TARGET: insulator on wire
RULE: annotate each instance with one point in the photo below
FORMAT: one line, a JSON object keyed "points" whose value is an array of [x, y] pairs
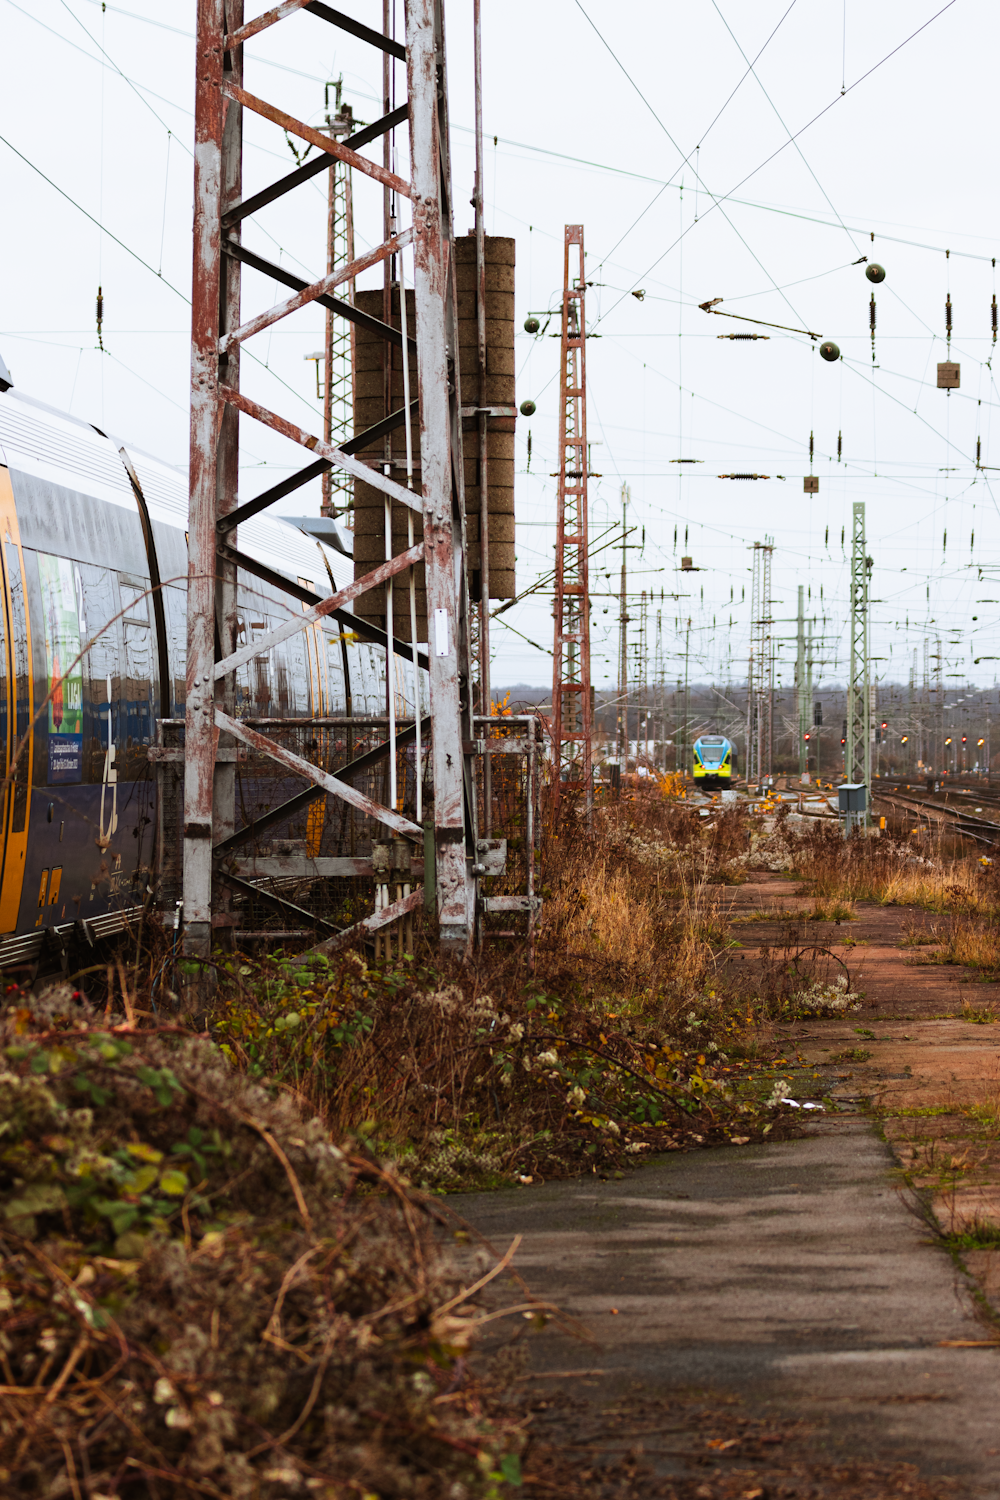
{"points": [[871, 324], [993, 317], [979, 446], [840, 445], [810, 449], [947, 316], [100, 318]]}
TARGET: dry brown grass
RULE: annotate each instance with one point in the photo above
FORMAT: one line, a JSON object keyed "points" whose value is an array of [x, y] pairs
{"points": [[439, 1064], [887, 872], [625, 929], [970, 940]]}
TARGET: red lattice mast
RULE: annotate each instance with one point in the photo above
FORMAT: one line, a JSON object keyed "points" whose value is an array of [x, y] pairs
{"points": [[572, 711]]}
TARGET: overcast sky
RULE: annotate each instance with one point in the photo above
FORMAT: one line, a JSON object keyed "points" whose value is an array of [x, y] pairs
{"points": [[643, 122]]}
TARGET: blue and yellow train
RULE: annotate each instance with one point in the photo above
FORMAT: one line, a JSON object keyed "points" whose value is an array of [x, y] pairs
{"points": [[93, 594], [714, 760]]}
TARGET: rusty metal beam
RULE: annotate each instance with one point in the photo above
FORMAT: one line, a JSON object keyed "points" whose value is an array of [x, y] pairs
{"points": [[336, 601], [318, 289], [199, 766], [311, 169], [294, 805], [243, 34], [325, 143], [357, 28], [378, 919], [242, 513], [337, 456], [287, 278], [320, 867], [324, 779], [377, 430], [276, 902], [312, 471], [442, 481], [356, 623]]}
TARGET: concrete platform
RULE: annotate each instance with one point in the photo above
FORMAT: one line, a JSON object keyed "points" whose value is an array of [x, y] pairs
{"points": [[791, 1277]]}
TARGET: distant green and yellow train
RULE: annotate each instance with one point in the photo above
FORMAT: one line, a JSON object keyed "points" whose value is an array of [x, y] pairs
{"points": [[714, 760]]}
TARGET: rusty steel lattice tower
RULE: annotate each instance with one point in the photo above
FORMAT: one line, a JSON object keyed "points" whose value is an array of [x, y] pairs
{"points": [[760, 676], [572, 709], [212, 732], [858, 750], [338, 341]]}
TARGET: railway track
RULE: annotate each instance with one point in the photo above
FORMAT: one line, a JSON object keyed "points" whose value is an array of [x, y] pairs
{"points": [[982, 830]]}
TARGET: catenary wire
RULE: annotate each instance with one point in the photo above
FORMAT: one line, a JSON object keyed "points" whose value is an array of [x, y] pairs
{"points": [[717, 202]]}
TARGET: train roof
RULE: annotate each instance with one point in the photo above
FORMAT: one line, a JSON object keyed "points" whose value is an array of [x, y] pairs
{"points": [[51, 445]]}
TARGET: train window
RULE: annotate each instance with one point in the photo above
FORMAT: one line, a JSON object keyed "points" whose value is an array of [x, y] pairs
{"points": [[335, 664], [102, 682], [63, 667], [135, 596], [175, 604], [261, 665], [137, 698], [22, 686]]}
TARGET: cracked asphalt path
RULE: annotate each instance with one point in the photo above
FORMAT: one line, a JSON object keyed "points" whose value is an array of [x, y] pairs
{"points": [[790, 1278]]}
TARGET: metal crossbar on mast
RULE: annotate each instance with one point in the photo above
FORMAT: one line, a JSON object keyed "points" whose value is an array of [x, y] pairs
{"points": [[572, 724], [211, 726], [858, 750], [760, 673]]}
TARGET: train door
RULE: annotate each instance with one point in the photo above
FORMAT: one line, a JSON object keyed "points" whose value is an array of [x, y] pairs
{"points": [[16, 709]]}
